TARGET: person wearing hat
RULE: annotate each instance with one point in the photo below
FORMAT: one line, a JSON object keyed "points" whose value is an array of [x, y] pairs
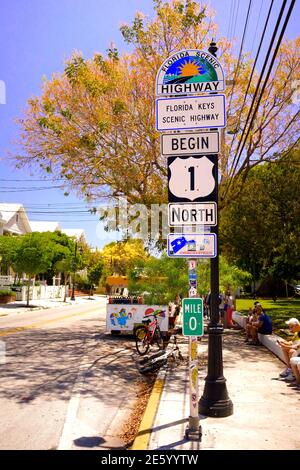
{"points": [[290, 349]]}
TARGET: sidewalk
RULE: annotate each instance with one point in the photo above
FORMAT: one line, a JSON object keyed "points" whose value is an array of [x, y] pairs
{"points": [[266, 410], [19, 306]]}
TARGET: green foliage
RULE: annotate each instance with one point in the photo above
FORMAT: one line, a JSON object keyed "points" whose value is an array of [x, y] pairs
{"points": [[279, 311], [165, 277], [8, 248], [260, 231], [5, 292], [95, 273], [34, 254], [162, 278]]}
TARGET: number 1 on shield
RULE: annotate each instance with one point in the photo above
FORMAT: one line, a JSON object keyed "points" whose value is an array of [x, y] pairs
{"points": [[191, 170]]}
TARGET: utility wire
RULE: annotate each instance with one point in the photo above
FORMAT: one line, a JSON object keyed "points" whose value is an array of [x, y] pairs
{"points": [[240, 52], [253, 105], [252, 73]]}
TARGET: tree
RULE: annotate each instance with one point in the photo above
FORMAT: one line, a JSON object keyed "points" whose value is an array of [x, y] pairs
{"points": [[165, 277], [65, 266], [8, 248], [94, 274], [33, 256], [260, 232], [94, 124], [120, 257]]}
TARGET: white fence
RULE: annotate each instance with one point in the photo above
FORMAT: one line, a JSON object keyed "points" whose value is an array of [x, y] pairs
{"points": [[6, 281], [41, 292]]}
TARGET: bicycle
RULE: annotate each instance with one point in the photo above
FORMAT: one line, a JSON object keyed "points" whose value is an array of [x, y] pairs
{"points": [[150, 364], [147, 334]]}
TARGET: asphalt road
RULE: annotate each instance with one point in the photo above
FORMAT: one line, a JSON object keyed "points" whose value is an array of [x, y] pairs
{"points": [[65, 383]]}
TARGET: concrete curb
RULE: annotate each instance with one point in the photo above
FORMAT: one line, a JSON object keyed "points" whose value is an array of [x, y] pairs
{"points": [[144, 433], [142, 439]]}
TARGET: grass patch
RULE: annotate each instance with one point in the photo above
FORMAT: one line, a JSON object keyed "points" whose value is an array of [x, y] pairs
{"points": [[278, 311]]}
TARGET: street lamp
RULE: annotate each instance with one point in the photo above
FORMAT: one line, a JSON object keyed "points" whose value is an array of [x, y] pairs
{"points": [[215, 401], [74, 270]]}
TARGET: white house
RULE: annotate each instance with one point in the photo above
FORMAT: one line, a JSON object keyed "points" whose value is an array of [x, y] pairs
{"points": [[44, 226], [14, 220], [77, 233]]}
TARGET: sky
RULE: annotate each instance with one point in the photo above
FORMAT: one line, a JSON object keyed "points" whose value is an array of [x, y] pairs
{"points": [[36, 37]]}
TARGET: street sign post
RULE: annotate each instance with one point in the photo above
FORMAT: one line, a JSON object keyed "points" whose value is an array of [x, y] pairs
{"points": [[192, 214], [192, 312], [191, 112], [192, 179], [192, 245], [190, 143]]}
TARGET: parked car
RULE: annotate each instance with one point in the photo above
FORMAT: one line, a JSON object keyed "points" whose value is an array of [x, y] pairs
{"points": [[297, 289]]}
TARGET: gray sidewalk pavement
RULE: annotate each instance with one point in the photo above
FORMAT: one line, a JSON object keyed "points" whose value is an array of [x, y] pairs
{"points": [[266, 410], [19, 306]]}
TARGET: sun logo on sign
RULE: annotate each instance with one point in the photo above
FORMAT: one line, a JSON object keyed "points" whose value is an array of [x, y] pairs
{"points": [[190, 69]]}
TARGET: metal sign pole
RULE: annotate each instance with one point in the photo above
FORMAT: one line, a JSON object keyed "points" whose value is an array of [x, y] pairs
{"points": [[193, 431]]}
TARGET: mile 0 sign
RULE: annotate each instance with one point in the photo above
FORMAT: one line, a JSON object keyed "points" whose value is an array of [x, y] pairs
{"points": [[190, 72]]}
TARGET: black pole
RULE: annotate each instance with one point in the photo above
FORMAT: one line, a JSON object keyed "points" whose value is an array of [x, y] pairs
{"points": [[74, 273], [215, 401]]}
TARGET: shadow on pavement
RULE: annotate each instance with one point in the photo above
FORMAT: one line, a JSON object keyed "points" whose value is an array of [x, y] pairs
{"points": [[47, 363]]}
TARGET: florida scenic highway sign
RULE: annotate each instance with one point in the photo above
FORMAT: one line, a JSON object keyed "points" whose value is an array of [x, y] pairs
{"points": [[190, 72]]}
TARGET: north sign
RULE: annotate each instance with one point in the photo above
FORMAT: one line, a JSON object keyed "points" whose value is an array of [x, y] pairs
{"points": [[192, 214], [192, 245], [190, 72], [192, 179], [193, 112], [190, 143]]}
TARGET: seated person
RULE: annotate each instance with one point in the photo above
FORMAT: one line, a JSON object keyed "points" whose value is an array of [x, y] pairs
{"points": [[263, 325], [252, 317], [295, 366], [290, 348]]}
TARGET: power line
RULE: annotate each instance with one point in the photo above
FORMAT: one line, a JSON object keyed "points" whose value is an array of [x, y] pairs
{"points": [[239, 152], [240, 52], [252, 73]]}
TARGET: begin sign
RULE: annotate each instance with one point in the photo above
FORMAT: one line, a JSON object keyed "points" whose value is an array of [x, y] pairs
{"points": [[190, 143]]}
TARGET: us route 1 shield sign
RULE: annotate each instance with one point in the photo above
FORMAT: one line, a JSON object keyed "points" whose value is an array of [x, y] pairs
{"points": [[190, 143], [192, 315], [192, 112], [192, 245], [192, 179], [192, 214]]}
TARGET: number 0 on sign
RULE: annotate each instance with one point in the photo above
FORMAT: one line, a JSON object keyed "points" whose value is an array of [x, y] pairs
{"points": [[192, 311]]}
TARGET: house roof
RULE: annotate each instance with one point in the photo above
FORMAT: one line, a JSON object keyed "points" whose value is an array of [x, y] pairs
{"points": [[9, 210], [77, 233], [44, 226]]}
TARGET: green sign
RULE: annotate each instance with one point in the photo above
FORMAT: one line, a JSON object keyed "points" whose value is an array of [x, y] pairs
{"points": [[192, 310]]}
